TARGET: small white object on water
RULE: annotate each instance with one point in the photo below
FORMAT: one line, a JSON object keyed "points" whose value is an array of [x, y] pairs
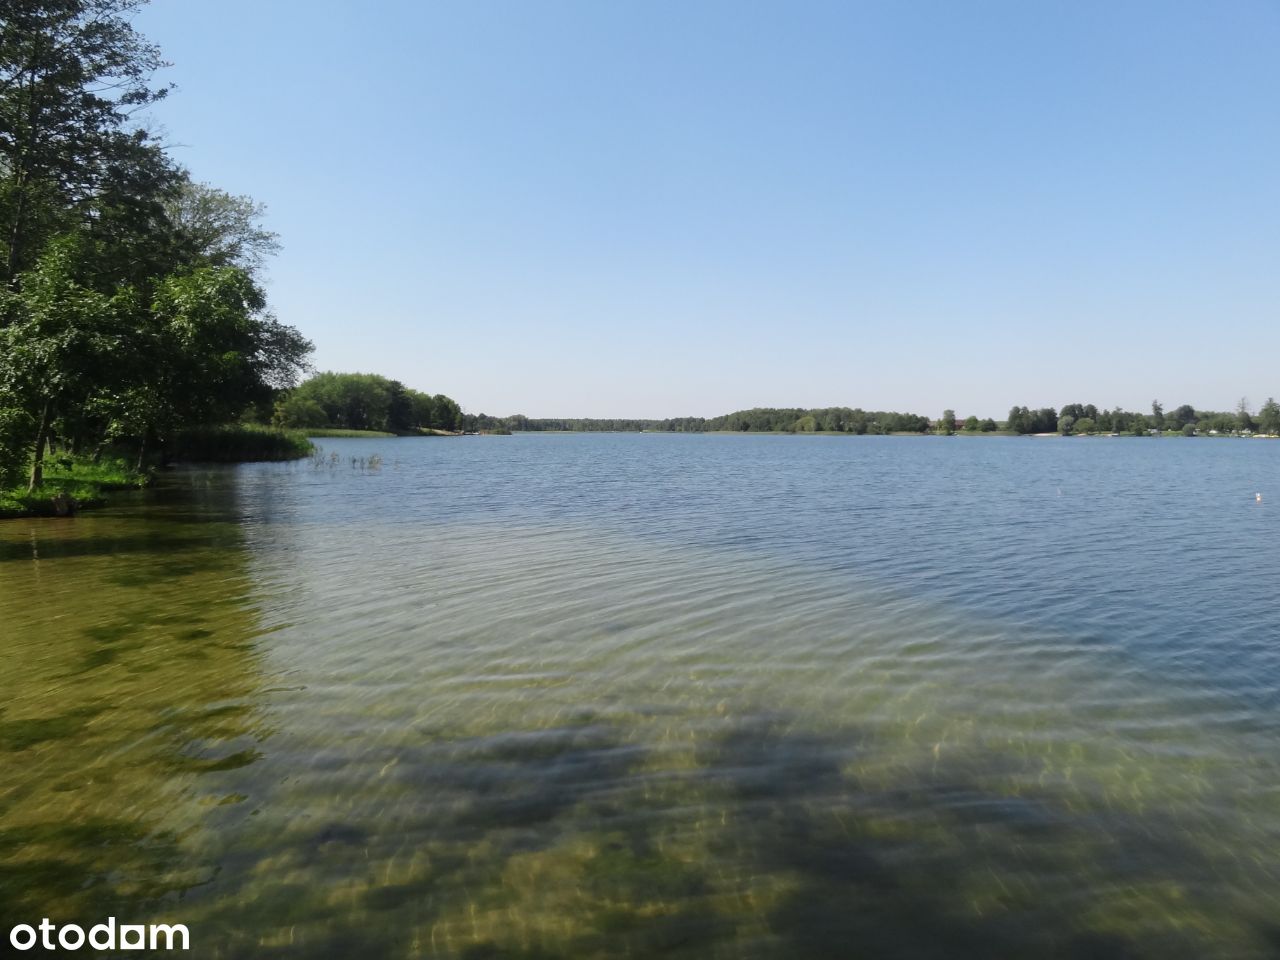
{"points": [[1257, 497]]}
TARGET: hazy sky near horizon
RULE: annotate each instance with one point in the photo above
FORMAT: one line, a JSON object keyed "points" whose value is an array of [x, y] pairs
{"points": [[684, 208]]}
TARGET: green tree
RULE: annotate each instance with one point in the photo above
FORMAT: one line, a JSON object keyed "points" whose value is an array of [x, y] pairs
{"points": [[446, 414], [129, 305], [1269, 417], [72, 72], [297, 411], [399, 407], [366, 401], [214, 350], [1184, 415], [947, 425], [972, 424], [58, 345], [1244, 421], [218, 229], [423, 409]]}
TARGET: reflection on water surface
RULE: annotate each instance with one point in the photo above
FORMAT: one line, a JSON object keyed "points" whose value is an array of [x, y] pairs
{"points": [[600, 696]]}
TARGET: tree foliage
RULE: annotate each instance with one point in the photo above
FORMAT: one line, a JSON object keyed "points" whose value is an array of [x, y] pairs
{"points": [[366, 401], [219, 229], [1025, 420], [71, 74], [1269, 417], [129, 305]]}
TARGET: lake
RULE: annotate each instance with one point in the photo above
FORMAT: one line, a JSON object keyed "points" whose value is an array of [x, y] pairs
{"points": [[658, 695]]}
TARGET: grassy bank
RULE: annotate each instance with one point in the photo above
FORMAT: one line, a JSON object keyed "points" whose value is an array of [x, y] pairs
{"points": [[237, 443], [323, 432], [77, 483], [70, 484]]}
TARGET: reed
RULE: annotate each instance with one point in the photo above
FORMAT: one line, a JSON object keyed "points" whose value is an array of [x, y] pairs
{"points": [[237, 443]]}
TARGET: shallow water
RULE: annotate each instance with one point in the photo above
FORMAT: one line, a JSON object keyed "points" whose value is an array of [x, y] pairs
{"points": [[690, 696]]}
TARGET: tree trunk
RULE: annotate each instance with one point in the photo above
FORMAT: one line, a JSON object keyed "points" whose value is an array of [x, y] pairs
{"points": [[142, 451], [15, 236], [37, 465], [21, 183]]}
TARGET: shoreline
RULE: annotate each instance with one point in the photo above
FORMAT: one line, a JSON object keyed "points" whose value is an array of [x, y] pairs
{"points": [[66, 493]]}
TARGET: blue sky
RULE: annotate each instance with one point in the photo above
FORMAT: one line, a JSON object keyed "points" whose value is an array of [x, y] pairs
{"points": [[669, 208]]}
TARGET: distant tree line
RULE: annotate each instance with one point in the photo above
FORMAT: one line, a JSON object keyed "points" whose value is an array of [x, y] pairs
{"points": [[757, 420], [827, 419], [1085, 418], [1074, 418], [365, 401], [484, 422]]}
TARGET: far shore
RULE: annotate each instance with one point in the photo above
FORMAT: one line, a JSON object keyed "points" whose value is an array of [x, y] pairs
{"points": [[1168, 434]]}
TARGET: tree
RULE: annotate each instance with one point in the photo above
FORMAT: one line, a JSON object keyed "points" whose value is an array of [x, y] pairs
{"points": [[423, 409], [364, 401], [988, 425], [1244, 422], [1065, 424], [1084, 425], [71, 74], [213, 350], [972, 424], [947, 425], [399, 407], [1044, 420], [1269, 417], [1185, 414], [129, 305], [446, 415], [59, 343], [297, 411], [1157, 415], [219, 229]]}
